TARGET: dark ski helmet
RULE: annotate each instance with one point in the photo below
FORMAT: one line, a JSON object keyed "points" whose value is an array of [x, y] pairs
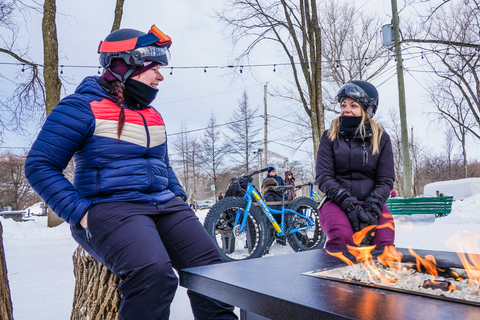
{"points": [[134, 47], [362, 92]]}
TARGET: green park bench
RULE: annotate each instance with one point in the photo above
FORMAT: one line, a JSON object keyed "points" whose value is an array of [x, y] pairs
{"points": [[439, 206]]}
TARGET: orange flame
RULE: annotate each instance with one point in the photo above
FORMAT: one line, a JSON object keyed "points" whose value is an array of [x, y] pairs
{"points": [[390, 257], [340, 256], [463, 244], [388, 224], [360, 235], [428, 262]]}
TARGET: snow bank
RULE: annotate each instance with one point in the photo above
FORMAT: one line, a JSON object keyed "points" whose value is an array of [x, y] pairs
{"points": [[459, 189]]}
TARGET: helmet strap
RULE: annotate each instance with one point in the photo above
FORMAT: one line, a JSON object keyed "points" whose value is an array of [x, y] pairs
{"points": [[125, 77]]}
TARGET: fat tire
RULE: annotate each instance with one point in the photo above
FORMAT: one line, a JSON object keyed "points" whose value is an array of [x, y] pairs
{"points": [[219, 225], [309, 239]]}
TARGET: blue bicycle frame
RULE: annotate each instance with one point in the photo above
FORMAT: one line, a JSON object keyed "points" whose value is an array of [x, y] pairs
{"points": [[314, 195], [268, 212]]}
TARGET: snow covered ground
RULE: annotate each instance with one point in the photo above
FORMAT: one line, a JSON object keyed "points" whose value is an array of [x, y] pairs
{"points": [[40, 268]]}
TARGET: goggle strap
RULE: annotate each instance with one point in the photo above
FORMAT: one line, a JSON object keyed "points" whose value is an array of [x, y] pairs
{"points": [[164, 39], [117, 46]]}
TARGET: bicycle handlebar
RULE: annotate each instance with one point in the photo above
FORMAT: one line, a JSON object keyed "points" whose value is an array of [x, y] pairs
{"points": [[311, 184], [255, 172]]}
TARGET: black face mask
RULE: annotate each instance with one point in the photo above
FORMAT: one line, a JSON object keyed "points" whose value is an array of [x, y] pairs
{"points": [[137, 93], [348, 125]]}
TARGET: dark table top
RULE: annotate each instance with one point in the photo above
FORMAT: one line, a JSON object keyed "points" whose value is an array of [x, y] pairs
{"points": [[274, 287]]}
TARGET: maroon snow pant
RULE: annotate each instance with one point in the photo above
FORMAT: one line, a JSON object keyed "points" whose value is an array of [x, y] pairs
{"points": [[339, 231], [142, 244]]}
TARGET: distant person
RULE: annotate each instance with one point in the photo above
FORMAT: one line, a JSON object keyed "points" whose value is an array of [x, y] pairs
{"points": [[193, 203], [236, 188], [272, 173], [290, 181], [393, 194], [271, 193], [355, 170], [221, 196], [126, 206]]}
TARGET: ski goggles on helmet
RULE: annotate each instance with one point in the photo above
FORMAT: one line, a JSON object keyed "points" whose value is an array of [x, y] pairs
{"points": [[351, 90], [153, 37]]}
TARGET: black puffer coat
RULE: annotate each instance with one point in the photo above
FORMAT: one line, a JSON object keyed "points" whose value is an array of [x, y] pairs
{"points": [[346, 167], [272, 194]]}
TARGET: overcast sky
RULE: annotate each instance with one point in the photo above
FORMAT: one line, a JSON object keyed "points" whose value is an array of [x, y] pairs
{"points": [[190, 95]]}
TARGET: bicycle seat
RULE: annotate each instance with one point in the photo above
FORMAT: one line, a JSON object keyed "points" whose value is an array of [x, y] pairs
{"points": [[284, 187]]}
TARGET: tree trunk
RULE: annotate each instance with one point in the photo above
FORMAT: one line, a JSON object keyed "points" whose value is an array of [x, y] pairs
{"points": [[96, 294], [53, 220], [118, 15], [50, 71], [6, 310]]}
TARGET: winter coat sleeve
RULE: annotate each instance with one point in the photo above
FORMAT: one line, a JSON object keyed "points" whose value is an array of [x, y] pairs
{"points": [[62, 135], [384, 177], [325, 171]]}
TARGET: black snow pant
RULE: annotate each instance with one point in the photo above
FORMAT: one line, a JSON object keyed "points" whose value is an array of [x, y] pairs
{"points": [[141, 244]]}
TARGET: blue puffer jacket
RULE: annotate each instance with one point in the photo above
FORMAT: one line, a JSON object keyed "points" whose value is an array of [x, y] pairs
{"points": [[134, 168]]}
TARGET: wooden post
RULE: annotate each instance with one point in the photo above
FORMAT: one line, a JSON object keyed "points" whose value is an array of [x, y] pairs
{"points": [[407, 186], [6, 310]]}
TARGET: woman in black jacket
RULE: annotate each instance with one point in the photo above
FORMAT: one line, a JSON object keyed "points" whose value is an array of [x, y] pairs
{"points": [[355, 170]]}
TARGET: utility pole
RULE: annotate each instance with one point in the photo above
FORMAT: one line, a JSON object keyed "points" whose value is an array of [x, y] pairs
{"points": [[407, 176], [265, 128]]}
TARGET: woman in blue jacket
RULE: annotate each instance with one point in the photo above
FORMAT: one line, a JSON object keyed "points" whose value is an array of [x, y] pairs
{"points": [[355, 170], [126, 207]]}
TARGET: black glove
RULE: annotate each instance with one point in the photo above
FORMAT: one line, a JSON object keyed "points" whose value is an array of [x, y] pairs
{"points": [[368, 240], [372, 212], [354, 211]]}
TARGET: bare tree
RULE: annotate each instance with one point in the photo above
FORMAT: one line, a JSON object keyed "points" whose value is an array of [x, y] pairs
{"points": [[450, 46], [294, 26], [27, 99], [452, 110], [393, 127], [118, 15], [213, 151], [351, 47], [244, 132], [306, 39], [15, 191]]}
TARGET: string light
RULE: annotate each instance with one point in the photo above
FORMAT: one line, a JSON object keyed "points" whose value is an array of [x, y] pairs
{"points": [[171, 71], [337, 63], [241, 69], [23, 68]]}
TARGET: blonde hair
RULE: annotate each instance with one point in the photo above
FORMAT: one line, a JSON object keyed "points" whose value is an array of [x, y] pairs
{"points": [[377, 131]]}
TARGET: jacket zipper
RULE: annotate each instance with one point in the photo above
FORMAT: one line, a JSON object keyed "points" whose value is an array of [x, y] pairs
{"points": [[365, 158], [147, 150]]}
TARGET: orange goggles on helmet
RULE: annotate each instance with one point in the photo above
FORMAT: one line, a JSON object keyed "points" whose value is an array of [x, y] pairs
{"points": [[154, 36]]}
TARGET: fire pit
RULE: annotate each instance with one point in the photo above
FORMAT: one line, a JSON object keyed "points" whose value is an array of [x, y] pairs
{"points": [[422, 277], [277, 288], [412, 282]]}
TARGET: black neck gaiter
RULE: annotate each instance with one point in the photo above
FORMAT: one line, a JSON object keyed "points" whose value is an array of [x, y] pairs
{"points": [[137, 93], [349, 125]]}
